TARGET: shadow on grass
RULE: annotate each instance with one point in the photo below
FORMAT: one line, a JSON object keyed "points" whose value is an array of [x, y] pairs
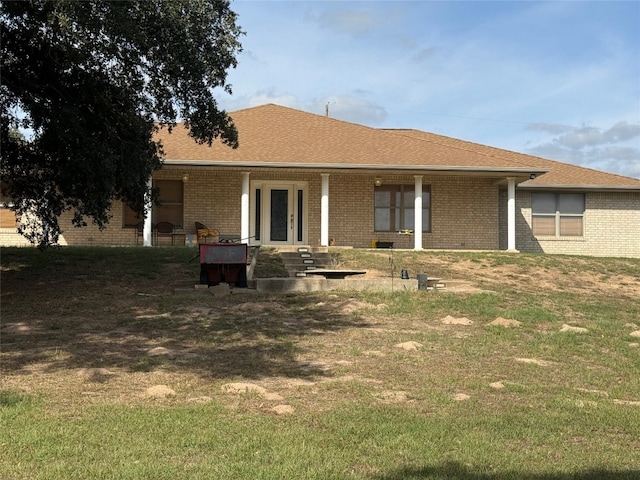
{"points": [[215, 342], [76, 309], [457, 471]]}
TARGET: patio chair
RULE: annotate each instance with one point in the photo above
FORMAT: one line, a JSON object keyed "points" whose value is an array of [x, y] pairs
{"points": [[204, 233], [140, 231], [165, 229]]}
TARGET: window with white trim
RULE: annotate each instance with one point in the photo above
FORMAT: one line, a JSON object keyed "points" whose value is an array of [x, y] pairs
{"points": [[557, 214], [394, 208]]}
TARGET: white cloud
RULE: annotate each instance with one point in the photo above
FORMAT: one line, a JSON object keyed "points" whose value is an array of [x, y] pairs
{"points": [[611, 149], [551, 128], [356, 110], [425, 54], [343, 107], [515, 75], [591, 136], [349, 21], [622, 131], [284, 99], [581, 138]]}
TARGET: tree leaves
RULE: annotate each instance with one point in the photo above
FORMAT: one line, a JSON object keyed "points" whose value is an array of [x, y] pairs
{"points": [[92, 81]]}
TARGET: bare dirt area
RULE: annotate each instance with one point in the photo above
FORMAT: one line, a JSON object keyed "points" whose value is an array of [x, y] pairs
{"points": [[115, 335], [490, 270]]}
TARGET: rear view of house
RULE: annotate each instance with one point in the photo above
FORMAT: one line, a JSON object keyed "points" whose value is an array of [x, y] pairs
{"points": [[305, 179]]}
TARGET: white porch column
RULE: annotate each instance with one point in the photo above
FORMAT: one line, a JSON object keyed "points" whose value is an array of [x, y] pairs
{"points": [[146, 231], [244, 209], [324, 211], [417, 222], [511, 214]]}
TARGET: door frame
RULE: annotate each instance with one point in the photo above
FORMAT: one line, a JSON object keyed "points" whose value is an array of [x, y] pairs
{"points": [[260, 215]]}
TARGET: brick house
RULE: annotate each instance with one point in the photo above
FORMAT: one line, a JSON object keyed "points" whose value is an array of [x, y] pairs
{"points": [[305, 179]]}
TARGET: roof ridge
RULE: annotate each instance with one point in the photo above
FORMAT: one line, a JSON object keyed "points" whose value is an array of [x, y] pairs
{"points": [[298, 111], [466, 142]]}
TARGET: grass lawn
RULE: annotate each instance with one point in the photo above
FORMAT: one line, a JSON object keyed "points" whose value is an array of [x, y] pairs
{"points": [[106, 372]]}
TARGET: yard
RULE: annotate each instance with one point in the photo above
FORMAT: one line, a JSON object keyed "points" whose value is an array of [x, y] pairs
{"points": [[106, 372]]}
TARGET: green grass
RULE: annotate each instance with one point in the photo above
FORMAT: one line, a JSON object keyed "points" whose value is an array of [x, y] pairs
{"points": [[352, 441], [568, 406]]}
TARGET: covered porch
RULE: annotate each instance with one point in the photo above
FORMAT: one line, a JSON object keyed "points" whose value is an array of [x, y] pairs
{"points": [[410, 209]]}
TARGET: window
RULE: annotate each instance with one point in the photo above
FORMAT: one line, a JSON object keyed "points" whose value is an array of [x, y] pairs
{"points": [[394, 208], [7, 216], [130, 218], [258, 211], [170, 208], [557, 214]]}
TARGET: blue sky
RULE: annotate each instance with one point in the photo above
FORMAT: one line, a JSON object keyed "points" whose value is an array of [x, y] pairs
{"points": [[556, 79]]}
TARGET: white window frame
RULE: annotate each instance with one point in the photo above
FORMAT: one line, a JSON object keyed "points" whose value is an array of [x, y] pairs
{"points": [[558, 215]]}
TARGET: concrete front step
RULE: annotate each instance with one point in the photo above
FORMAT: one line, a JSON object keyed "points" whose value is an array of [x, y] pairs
{"points": [[301, 259], [320, 284], [316, 283], [302, 249]]}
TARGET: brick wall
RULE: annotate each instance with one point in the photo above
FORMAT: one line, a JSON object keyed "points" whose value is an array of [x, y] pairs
{"points": [[10, 237], [466, 213], [464, 209], [611, 227]]}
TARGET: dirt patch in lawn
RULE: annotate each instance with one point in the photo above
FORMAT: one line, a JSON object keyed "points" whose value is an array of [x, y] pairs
{"points": [[498, 270], [116, 336]]}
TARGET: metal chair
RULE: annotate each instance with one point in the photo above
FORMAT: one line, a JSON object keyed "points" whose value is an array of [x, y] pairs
{"points": [[204, 233], [165, 229], [140, 231]]}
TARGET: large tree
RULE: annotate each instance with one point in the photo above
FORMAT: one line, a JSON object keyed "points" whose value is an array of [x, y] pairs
{"points": [[89, 82]]}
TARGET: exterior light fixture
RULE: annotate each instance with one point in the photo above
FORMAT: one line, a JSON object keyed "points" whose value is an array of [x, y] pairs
{"points": [[185, 177], [378, 181]]}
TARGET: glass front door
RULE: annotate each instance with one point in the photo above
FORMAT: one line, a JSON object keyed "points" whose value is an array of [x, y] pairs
{"points": [[280, 225], [279, 216]]}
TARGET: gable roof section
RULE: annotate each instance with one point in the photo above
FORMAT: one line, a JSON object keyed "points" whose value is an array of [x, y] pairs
{"points": [[276, 136], [559, 175]]}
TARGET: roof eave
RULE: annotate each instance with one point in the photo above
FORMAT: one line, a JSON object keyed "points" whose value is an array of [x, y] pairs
{"points": [[600, 188], [359, 166]]}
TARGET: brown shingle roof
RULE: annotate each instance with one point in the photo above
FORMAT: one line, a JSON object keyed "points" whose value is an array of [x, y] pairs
{"points": [[559, 174], [276, 136]]}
